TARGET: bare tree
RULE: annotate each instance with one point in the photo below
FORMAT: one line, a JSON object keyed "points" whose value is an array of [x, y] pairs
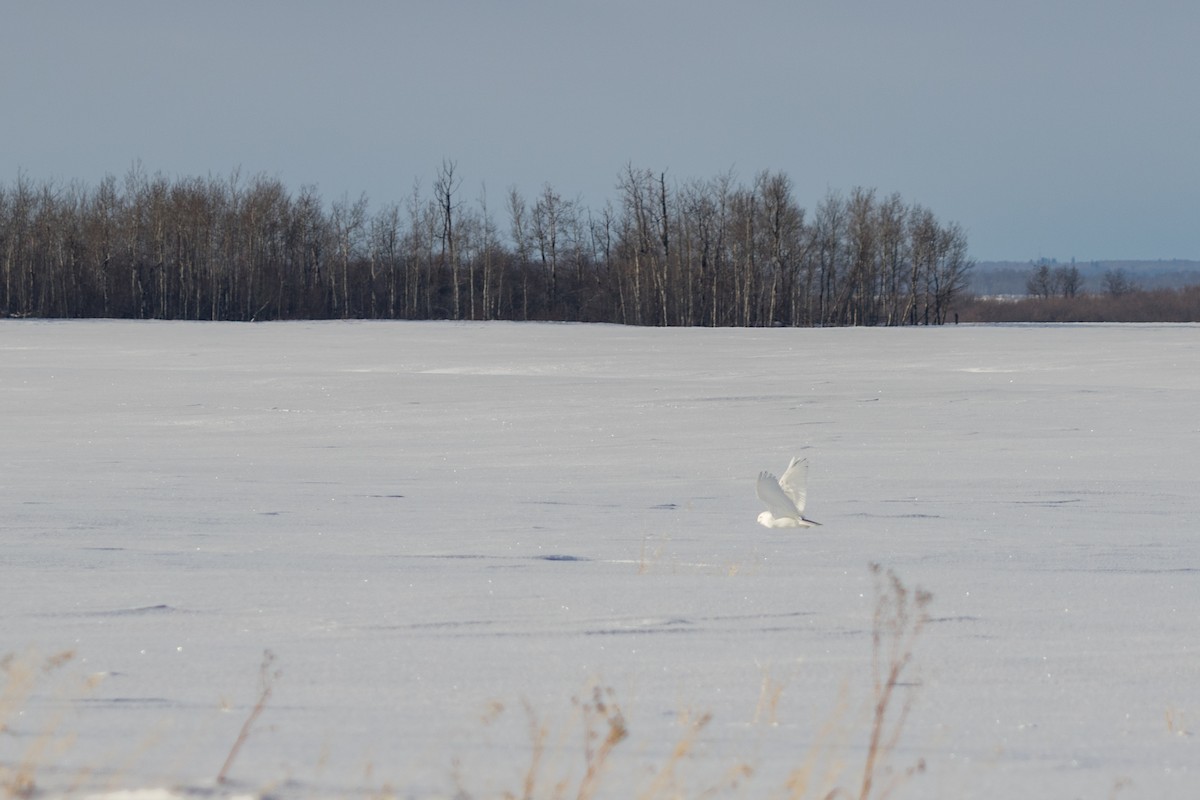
{"points": [[608, 283], [663, 273], [1117, 282], [950, 271], [744, 225], [1067, 280], [493, 285], [519, 232], [414, 269], [862, 230], [829, 237], [784, 221], [893, 255], [348, 221], [639, 239], [444, 188], [924, 246], [553, 219], [1040, 282], [385, 260]]}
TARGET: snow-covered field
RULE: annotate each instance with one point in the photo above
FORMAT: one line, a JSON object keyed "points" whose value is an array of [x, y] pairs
{"points": [[431, 525]]}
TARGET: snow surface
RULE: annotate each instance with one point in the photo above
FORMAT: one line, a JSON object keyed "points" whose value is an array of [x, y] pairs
{"points": [[429, 524]]}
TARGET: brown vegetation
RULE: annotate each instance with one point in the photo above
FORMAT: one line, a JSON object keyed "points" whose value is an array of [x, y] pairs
{"points": [[19, 678], [900, 617], [822, 772], [696, 252], [1127, 305]]}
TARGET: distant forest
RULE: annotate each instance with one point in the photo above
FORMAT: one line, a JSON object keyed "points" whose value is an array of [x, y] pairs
{"points": [[1103, 291], [665, 252], [1013, 278], [1132, 305]]}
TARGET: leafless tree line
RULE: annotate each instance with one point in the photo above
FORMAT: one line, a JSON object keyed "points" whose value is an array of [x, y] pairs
{"points": [[1045, 282], [697, 252], [1067, 281]]}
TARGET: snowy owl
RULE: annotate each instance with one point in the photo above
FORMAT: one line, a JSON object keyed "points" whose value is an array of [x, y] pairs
{"points": [[785, 497]]}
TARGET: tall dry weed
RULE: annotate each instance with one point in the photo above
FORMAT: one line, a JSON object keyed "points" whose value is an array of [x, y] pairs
{"points": [[827, 770], [22, 676]]}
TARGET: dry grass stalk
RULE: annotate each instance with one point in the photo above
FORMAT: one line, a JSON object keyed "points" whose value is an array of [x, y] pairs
{"points": [[830, 741], [900, 617], [266, 679], [21, 676], [648, 559], [538, 734], [601, 715], [665, 782], [1176, 723], [603, 729], [769, 693]]}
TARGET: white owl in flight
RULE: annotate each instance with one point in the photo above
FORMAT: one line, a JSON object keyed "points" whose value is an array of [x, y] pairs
{"points": [[785, 497]]}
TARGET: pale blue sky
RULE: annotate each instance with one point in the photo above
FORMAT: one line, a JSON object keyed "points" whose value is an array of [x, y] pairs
{"points": [[1046, 128]]}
